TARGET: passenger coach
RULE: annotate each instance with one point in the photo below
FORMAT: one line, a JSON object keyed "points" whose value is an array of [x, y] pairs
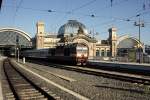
{"points": [[75, 53]]}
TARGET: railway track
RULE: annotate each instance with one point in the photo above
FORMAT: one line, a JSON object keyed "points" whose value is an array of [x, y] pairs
{"points": [[110, 74], [60, 82], [22, 88], [92, 83], [131, 77]]}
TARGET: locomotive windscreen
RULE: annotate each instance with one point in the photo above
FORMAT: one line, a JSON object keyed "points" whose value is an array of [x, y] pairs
{"points": [[82, 50]]}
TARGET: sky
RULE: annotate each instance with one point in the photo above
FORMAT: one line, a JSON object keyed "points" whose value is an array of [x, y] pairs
{"points": [[97, 15]]}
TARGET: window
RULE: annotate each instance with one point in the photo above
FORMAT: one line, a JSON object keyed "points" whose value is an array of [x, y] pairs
{"points": [[103, 53], [108, 53], [97, 53]]}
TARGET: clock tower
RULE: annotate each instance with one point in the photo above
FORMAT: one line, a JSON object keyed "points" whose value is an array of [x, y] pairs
{"points": [[113, 40], [40, 35]]}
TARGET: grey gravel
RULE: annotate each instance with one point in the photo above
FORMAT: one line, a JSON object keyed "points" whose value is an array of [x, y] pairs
{"points": [[94, 87]]}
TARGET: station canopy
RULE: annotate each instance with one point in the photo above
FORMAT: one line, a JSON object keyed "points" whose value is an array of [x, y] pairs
{"points": [[128, 42], [13, 37]]}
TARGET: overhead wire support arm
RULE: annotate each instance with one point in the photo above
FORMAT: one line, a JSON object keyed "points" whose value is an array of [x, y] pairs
{"points": [[1, 4]]}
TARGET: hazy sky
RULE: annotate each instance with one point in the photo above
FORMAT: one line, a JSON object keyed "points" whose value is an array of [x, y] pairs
{"points": [[96, 15]]}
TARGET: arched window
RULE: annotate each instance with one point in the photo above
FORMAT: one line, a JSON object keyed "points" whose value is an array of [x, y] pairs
{"points": [[97, 53], [103, 53], [108, 53]]}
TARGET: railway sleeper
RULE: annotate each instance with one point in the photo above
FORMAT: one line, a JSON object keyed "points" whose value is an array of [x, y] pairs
{"points": [[51, 93], [32, 97], [19, 88], [30, 94], [11, 99], [18, 85], [6, 89], [11, 96], [7, 93], [29, 91]]}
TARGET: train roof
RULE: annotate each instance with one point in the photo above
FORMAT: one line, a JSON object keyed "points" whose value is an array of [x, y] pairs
{"points": [[34, 50], [67, 44]]}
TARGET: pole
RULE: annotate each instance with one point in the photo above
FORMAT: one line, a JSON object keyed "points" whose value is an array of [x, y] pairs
{"points": [[93, 44], [15, 52], [17, 46], [139, 41], [18, 54], [139, 24]]}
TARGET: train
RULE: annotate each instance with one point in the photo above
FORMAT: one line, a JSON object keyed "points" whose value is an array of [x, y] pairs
{"points": [[74, 53]]}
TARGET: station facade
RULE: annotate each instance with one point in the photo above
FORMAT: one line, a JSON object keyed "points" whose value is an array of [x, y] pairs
{"points": [[124, 48]]}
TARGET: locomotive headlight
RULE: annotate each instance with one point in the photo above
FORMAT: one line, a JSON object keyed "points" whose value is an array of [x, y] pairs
{"points": [[85, 55], [81, 55], [78, 55]]}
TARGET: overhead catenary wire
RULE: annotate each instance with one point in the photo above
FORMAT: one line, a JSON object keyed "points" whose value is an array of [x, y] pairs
{"points": [[92, 15], [65, 12], [17, 8], [82, 6], [129, 19], [87, 15]]}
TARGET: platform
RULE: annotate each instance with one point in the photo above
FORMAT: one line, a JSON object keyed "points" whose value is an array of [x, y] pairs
{"points": [[1, 95], [131, 66]]}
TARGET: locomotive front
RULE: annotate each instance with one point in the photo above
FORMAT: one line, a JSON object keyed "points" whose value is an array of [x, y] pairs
{"points": [[81, 54]]}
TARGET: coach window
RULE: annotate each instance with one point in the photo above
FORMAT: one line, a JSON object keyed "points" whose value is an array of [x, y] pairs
{"points": [[53, 52]]}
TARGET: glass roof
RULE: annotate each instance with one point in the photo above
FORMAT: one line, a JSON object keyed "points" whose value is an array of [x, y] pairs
{"points": [[10, 37], [127, 43], [71, 27]]}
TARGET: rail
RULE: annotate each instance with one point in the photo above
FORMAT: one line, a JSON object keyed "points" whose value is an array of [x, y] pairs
{"points": [[21, 86]]}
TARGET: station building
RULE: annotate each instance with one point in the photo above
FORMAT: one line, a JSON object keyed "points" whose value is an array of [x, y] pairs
{"points": [[123, 48]]}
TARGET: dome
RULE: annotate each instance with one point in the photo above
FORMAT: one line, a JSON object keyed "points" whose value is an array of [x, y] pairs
{"points": [[71, 28]]}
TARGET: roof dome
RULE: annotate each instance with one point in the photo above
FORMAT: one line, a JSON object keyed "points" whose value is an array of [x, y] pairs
{"points": [[71, 28]]}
